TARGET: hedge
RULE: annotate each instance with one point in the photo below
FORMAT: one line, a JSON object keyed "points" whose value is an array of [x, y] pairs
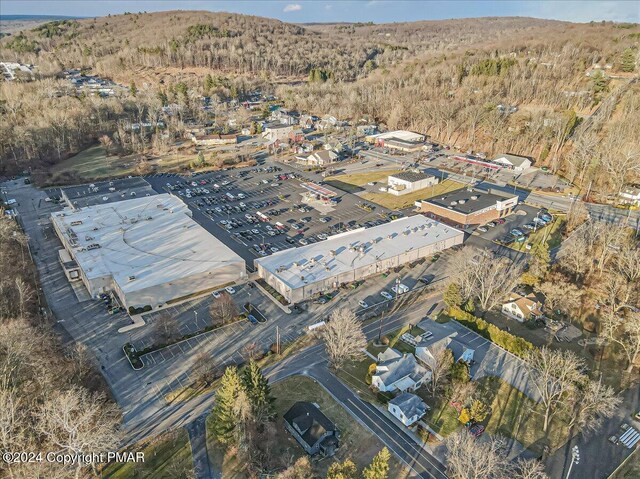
{"points": [[513, 344]]}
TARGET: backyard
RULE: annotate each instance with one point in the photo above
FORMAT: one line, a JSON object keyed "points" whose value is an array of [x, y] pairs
{"points": [[405, 201], [356, 442], [166, 457]]}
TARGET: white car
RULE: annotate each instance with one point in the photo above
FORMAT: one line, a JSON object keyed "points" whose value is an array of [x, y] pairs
{"points": [[274, 249], [386, 295], [383, 189], [230, 290], [371, 183], [322, 236], [216, 294], [303, 242], [363, 304]]}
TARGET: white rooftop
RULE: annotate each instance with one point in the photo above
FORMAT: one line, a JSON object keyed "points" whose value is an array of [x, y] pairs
{"points": [[153, 239], [403, 135], [354, 249]]}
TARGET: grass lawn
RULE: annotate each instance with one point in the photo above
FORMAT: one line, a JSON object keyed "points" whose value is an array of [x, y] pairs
{"points": [[516, 416], [631, 467], [442, 417], [166, 457], [405, 201], [352, 182], [92, 163], [357, 442], [552, 234]]}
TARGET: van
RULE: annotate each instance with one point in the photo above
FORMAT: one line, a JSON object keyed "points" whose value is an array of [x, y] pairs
{"points": [[230, 196]]}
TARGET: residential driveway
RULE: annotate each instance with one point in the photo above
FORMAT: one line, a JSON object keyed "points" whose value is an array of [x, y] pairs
{"points": [[198, 439]]}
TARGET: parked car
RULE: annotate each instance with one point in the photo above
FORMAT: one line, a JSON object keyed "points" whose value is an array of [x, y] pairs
{"points": [[230, 290], [386, 295], [483, 229], [516, 232], [216, 294], [500, 221], [400, 288], [363, 304], [303, 242]]}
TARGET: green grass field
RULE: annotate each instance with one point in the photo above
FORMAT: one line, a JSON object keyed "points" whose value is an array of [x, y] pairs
{"points": [[552, 234], [92, 163], [166, 457], [405, 201]]}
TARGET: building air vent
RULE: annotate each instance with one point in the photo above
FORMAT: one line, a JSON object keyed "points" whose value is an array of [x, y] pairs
{"points": [[95, 228], [296, 264], [76, 223], [361, 248], [332, 253], [453, 203], [149, 218], [131, 278], [93, 246], [406, 232], [462, 202], [389, 237], [474, 197], [88, 238]]}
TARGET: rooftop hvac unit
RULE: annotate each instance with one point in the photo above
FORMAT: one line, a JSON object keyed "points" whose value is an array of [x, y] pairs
{"points": [[462, 202], [296, 264], [131, 278], [327, 269], [95, 228], [474, 197], [88, 238], [76, 223], [352, 248], [405, 232], [453, 203], [159, 206], [361, 248], [134, 220], [93, 246], [312, 261], [389, 237], [149, 218], [302, 279], [332, 253]]}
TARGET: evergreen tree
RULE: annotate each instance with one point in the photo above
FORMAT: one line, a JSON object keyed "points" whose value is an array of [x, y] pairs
{"points": [[162, 96], [133, 89], [224, 411], [201, 160], [258, 391], [379, 467], [478, 411], [599, 82], [234, 92], [452, 295], [209, 83], [342, 470], [628, 61]]}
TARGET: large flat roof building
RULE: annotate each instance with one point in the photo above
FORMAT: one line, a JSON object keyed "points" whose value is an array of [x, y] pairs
{"points": [[409, 181], [468, 206], [300, 273], [148, 250]]}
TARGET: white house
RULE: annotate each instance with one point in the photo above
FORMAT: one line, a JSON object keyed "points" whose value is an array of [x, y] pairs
{"points": [[277, 132], [515, 162], [522, 308], [399, 374], [428, 354], [408, 181], [630, 195], [407, 408]]}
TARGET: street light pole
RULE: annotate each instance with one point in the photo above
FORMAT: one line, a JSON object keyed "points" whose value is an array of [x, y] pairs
{"points": [[575, 459]]}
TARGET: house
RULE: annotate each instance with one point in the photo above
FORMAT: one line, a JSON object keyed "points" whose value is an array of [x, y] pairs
{"points": [[389, 354], [319, 158], [407, 408], [522, 308], [279, 132], [399, 374], [428, 354], [401, 140], [284, 117], [515, 162], [366, 130], [312, 429], [308, 122], [335, 145], [215, 139], [630, 195], [328, 122], [408, 181], [296, 135]]}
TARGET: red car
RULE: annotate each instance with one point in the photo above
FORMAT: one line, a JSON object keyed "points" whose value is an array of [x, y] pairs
{"points": [[500, 221]]}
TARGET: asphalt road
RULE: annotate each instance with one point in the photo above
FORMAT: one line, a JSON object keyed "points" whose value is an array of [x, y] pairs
{"points": [[198, 439]]}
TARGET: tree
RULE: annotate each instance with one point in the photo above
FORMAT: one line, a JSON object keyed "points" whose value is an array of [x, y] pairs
{"points": [[594, 403], [379, 467], [624, 332], [166, 327], [554, 375], [301, 469], [343, 337], [224, 412], [529, 469], [468, 458], [223, 309], [209, 83], [628, 61], [106, 142], [440, 367], [76, 421], [478, 410], [561, 295], [342, 470], [259, 392], [452, 295], [133, 89]]}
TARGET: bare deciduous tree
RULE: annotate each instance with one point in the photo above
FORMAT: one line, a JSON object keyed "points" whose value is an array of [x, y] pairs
{"points": [[469, 459], [593, 403], [223, 309], [166, 327], [343, 337], [625, 332], [554, 375]]}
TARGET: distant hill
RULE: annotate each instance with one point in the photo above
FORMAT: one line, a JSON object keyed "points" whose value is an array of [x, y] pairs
{"points": [[10, 24]]}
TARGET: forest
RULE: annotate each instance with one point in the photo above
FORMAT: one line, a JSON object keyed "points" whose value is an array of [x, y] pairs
{"points": [[564, 94]]}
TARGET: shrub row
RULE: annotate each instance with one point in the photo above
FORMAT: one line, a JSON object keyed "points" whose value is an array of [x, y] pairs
{"points": [[269, 289], [513, 344], [145, 309]]}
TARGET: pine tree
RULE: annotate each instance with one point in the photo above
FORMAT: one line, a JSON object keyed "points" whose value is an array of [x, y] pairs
{"points": [[342, 470], [208, 83], [224, 411], [379, 467], [258, 391], [478, 411], [628, 61], [133, 89]]}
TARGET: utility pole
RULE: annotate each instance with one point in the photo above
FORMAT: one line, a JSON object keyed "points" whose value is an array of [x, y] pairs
{"points": [[278, 340]]}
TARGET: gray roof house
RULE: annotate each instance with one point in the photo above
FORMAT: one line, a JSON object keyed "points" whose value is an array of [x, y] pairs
{"points": [[515, 162], [407, 408], [399, 374], [313, 430], [460, 351]]}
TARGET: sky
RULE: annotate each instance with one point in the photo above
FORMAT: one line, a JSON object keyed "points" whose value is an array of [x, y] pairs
{"points": [[378, 11]]}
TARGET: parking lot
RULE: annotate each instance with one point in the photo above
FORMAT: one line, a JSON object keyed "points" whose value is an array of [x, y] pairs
{"points": [[259, 211], [103, 192]]}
